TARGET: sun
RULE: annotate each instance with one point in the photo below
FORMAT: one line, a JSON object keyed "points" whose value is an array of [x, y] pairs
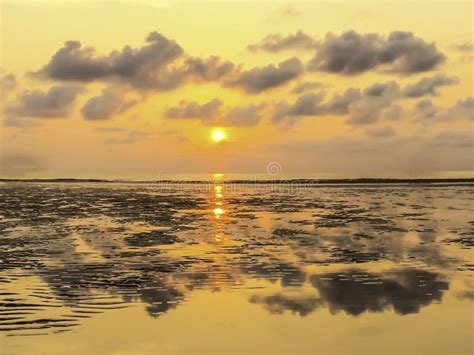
{"points": [[218, 136]]}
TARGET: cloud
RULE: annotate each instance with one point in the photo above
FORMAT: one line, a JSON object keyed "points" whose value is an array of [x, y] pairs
{"points": [[7, 84], [242, 116], [306, 86], [308, 104], [119, 135], [158, 65], [208, 69], [311, 104], [462, 110], [144, 67], [425, 109], [381, 89], [376, 99], [75, 63], [55, 103], [382, 132], [464, 47], [276, 43], [194, 110], [428, 86], [19, 165], [361, 107], [353, 53], [290, 12], [259, 79], [110, 102], [129, 137], [210, 113], [453, 140], [410, 155], [393, 112], [339, 105], [110, 129]]}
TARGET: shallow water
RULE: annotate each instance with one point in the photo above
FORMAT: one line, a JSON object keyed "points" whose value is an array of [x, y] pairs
{"points": [[110, 268]]}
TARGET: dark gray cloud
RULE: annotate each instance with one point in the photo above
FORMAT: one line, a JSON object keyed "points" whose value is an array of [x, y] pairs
{"points": [[104, 106], [144, 67], [259, 79], [428, 86], [353, 53], [7, 84], [311, 104], [306, 86], [425, 109], [72, 62], [382, 89], [276, 42], [361, 107], [157, 65], [212, 68], [380, 132], [339, 105], [194, 110], [308, 104], [56, 102]]}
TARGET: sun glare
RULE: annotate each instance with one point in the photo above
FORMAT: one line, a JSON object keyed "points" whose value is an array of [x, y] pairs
{"points": [[218, 136]]}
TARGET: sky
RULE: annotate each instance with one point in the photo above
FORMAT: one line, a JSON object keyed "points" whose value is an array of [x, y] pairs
{"points": [[136, 90]]}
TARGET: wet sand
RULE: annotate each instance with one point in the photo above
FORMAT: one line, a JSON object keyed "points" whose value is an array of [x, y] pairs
{"points": [[221, 268]]}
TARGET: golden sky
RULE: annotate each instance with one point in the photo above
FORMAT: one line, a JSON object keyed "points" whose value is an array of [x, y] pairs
{"points": [[122, 89]]}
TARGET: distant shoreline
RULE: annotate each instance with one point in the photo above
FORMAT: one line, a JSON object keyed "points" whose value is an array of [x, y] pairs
{"points": [[315, 182]]}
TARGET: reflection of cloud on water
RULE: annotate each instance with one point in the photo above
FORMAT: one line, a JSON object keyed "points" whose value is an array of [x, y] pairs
{"points": [[288, 275], [356, 291], [279, 303]]}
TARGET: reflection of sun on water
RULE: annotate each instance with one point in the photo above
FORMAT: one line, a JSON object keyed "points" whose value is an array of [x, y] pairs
{"points": [[218, 191], [218, 205], [217, 177], [218, 212]]}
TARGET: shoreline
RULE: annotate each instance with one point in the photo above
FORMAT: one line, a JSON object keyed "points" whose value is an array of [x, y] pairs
{"points": [[315, 182]]}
